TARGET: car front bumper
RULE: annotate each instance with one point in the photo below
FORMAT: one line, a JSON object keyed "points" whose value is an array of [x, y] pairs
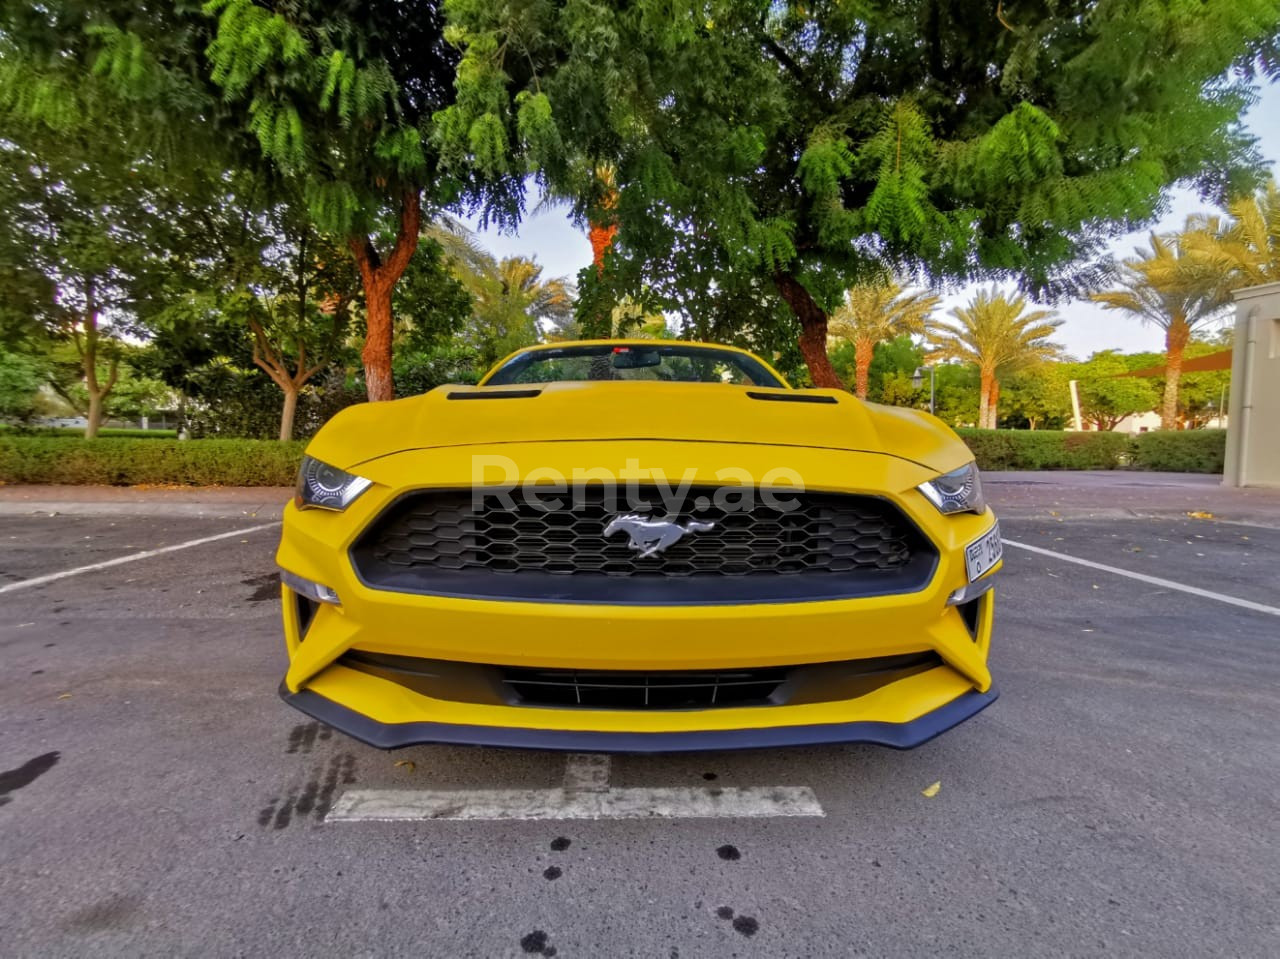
{"points": [[382, 735], [901, 711]]}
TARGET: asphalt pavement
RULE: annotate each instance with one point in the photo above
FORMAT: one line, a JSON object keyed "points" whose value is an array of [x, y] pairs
{"points": [[1120, 798]]}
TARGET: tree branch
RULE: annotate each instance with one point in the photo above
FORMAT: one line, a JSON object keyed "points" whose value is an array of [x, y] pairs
{"points": [[784, 58]]}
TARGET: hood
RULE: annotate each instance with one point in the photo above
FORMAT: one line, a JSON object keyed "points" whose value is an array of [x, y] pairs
{"points": [[568, 412]]}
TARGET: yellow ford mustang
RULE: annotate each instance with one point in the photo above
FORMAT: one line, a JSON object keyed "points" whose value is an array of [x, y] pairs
{"points": [[637, 546]]}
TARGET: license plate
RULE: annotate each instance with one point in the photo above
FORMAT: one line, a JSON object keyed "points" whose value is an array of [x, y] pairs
{"points": [[983, 553]]}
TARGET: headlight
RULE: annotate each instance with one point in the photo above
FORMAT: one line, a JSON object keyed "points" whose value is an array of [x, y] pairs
{"points": [[321, 486], [959, 491]]}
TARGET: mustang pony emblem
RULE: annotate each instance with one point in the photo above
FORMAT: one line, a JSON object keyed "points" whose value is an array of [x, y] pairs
{"points": [[652, 536]]}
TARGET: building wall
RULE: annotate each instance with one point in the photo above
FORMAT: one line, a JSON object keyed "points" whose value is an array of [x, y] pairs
{"points": [[1253, 435]]}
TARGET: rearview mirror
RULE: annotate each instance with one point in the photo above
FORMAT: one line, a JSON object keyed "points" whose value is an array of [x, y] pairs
{"points": [[626, 358]]}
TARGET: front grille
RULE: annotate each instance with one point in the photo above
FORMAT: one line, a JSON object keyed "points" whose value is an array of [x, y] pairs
{"points": [[763, 686], [630, 690], [828, 546]]}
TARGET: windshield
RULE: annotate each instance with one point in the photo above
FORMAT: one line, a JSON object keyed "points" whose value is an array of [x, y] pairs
{"points": [[665, 362]]}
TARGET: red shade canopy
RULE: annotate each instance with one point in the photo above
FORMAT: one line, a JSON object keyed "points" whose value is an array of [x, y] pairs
{"points": [[1209, 363]]}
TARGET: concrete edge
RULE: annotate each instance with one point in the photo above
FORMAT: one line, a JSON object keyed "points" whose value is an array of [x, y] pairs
{"points": [[1063, 513], [268, 510]]}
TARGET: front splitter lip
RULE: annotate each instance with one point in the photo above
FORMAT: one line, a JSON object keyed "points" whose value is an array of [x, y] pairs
{"points": [[397, 735]]}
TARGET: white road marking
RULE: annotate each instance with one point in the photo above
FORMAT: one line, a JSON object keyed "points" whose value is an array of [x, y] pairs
{"points": [[1153, 580], [131, 558], [586, 794], [678, 802]]}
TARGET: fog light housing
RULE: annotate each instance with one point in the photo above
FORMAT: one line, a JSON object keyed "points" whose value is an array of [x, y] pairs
{"points": [[318, 592], [971, 592]]}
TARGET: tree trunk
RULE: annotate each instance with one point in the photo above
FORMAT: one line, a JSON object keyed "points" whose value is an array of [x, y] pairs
{"points": [[379, 278], [993, 404], [87, 347], [1175, 342], [95, 415], [813, 330], [287, 413], [863, 351], [376, 354], [984, 397]]}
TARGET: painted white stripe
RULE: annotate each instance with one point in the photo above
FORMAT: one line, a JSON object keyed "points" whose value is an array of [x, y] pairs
{"points": [[687, 802], [131, 558], [586, 795], [1153, 580]]}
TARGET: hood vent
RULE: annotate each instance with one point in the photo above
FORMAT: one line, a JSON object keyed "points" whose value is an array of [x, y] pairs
{"points": [[496, 395]]}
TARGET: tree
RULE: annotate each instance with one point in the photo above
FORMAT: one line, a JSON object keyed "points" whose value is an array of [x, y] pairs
{"points": [[995, 334], [873, 312], [1165, 287], [80, 238], [21, 376], [510, 299], [339, 99], [1106, 394], [815, 146], [1245, 249], [1202, 396], [1038, 394]]}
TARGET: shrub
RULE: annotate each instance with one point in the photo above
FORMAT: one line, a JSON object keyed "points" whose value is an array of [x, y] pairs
{"points": [[115, 461], [131, 462], [74, 432], [1046, 449], [1180, 451]]}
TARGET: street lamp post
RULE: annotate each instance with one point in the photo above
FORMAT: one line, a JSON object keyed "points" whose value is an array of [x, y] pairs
{"points": [[918, 377]]}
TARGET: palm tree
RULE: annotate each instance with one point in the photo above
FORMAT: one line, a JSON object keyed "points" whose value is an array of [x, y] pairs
{"points": [[1244, 250], [1172, 290], [874, 312], [995, 333], [511, 302]]}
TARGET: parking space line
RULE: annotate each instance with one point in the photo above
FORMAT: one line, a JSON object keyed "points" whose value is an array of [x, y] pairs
{"points": [[586, 794], [1153, 580], [131, 558]]}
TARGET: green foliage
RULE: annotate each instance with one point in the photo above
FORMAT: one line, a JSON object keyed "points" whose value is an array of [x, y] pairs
{"points": [[20, 379], [1180, 451], [1203, 396], [893, 363], [509, 299], [421, 371], [1038, 396], [1106, 395], [1046, 449], [338, 99], [957, 386], [431, 304], [828, 141], [1186, 451], [72, 432], [130, 462]]}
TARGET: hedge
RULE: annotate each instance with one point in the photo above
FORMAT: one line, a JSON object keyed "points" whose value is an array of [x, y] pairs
{"points": [[77, 432], [1181, 451], [133, 462], [1190, 451]]}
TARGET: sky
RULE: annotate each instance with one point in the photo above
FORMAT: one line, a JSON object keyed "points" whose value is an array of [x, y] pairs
{"points": [[563, 250]]}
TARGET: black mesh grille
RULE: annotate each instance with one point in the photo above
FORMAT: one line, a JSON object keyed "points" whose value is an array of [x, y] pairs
{"points": [[764, 686], [631, 690], [827, 545]]}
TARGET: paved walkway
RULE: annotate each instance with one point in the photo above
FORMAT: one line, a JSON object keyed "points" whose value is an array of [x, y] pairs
{"points": [[1119, 493], [1061, 494]]}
